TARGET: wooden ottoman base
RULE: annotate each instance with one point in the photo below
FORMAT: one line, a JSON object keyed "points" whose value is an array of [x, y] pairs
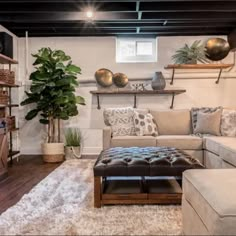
{"points": [[137, 190]]}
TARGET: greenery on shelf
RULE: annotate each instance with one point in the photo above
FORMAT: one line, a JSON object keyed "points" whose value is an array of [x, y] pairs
{"points": [[191, 54], [52, 91], [73, 137]]}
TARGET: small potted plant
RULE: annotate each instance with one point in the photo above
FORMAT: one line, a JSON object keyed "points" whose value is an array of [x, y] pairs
{"points": [[191, 54], [52, 96], [73, 141]]}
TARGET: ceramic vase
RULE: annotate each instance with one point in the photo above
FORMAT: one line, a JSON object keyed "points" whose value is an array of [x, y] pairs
{"points": [[158, 81]]}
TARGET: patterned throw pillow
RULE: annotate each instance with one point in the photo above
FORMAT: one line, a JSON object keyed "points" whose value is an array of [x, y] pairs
{"points": [[194, 112], [144, 124], [121, 120], [228, 123]]}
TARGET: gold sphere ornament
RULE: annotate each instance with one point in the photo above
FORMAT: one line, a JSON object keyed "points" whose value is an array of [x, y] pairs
{"points": [[104, 77], [120, 80], [217, 49]]}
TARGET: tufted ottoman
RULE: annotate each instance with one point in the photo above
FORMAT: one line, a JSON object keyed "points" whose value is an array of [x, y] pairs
{"points": [[135, 175]]}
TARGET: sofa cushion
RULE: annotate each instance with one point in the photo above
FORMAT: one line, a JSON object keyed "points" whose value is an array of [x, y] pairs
{"points": [[211, 194], [213, 144], [172, 122], [133, 141], [187, 142]]}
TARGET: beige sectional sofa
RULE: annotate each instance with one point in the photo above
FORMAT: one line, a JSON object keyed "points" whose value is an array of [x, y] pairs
{"points": [[208, 203], [220, 152], [175, 130]]}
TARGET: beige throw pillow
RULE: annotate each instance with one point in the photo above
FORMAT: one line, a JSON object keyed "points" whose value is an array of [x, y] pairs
{"points": [[144, 124], [208, 123]]}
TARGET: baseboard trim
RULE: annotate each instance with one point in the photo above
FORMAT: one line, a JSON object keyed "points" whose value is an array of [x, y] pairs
{"points": [[87, 151], [84, 156], [89, 156]]}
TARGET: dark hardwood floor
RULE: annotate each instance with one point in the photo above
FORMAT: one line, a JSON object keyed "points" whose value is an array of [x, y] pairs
{"points": [[22, 177]]}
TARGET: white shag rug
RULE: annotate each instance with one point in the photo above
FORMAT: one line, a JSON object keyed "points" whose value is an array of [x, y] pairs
{"points": [[62, 204]]}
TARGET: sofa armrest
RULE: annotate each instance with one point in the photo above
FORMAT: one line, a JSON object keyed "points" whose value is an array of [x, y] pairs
{"points": [[107, 137]]}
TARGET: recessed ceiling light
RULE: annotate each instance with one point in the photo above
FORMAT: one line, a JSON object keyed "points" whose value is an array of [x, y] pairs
{"points": [[89, 14]]}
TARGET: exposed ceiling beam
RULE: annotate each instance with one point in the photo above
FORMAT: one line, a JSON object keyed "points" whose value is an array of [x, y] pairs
{"points": [[136, 23], [86, 30], [138, 17], [113, 6], [50, 7], [159, 34], [200, 6], [121, 16], [189, 16], [101, 1], [116, 26], [65, 16]]}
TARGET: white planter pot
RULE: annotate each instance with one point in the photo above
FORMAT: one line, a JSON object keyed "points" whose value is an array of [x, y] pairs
{"points": [[72, 152], [53, 152]]}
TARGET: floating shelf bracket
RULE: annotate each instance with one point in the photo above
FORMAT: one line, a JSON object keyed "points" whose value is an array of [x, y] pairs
{"points": [[172, 77], [218, 79], [172, 101]]}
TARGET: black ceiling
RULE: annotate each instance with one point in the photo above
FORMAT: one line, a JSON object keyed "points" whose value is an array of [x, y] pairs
{"points": [[132, 18]]}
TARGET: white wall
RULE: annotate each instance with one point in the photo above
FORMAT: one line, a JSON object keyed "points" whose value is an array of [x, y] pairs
{"points": [[92, 53]]}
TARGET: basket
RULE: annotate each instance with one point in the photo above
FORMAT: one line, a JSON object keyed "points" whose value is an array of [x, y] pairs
{"points": [[53, 152], [2, 112], [53, 158], [11, 78], [11, 122], [7, 76], [4, 99]]}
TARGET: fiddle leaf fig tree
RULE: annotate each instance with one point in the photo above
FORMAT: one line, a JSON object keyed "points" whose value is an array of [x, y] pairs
{"points": [[52, 92]]}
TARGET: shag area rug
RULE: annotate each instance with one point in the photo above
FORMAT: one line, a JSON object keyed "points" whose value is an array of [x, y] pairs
{"points": [[62, 204]]}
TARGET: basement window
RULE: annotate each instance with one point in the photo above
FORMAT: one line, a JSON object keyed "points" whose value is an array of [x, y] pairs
{"points": [[131, 50]]}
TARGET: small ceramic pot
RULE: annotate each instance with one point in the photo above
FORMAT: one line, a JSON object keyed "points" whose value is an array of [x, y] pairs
{"points": [[158, 81]]}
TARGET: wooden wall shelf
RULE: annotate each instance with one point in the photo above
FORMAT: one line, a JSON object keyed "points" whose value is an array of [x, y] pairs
{"points": [[2, 84], [7, 60], [219, 67], [9, 105], [171, 92], [13, 153]]}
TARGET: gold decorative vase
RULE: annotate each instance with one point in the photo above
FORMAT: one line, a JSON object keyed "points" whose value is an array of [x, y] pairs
{"points": [[104, 77], [120, 80]]}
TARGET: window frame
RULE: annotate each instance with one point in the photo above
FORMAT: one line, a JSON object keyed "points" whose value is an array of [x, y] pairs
{"points": [[137, 58]]}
